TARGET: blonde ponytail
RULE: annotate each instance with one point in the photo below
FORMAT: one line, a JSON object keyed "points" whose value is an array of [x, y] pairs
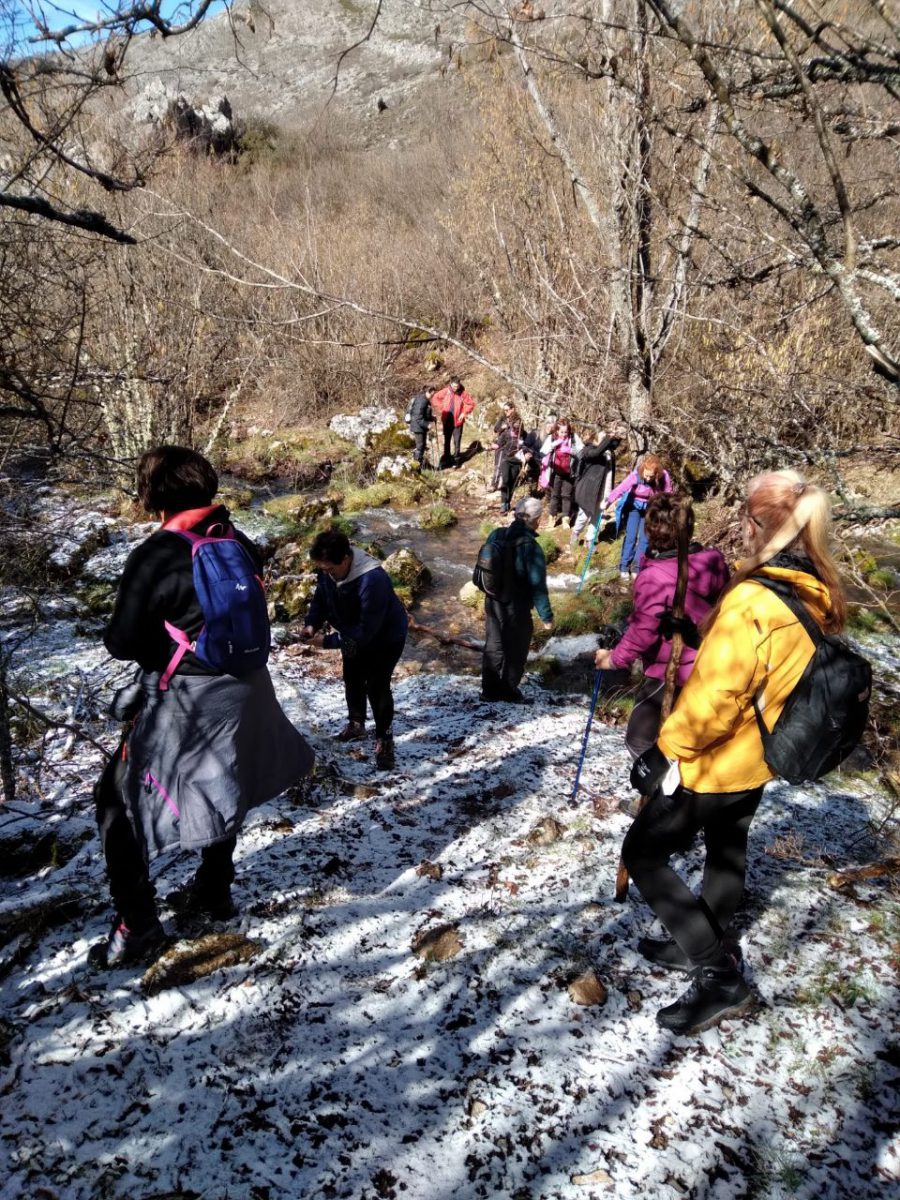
{"points": [[791, 512]]}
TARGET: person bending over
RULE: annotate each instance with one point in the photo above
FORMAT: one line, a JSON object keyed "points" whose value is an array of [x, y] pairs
{"points": [[355, 596]]}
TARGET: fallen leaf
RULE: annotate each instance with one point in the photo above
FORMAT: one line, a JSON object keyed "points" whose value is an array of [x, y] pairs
{"points": [[588, 989], [436, 945]]}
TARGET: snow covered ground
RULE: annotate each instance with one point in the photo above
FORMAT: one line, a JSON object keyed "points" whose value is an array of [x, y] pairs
{"points": [[339, 1063], [397, 1021]]}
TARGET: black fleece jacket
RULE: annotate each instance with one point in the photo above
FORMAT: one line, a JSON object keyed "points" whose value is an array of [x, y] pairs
{"points": [[157, 585]]}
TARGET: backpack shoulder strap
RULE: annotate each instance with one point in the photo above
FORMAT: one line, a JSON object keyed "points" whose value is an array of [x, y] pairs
{"points": [[787, 595]]}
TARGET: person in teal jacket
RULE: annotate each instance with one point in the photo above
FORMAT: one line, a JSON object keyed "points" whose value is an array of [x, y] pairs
{"points": [[508, 624]]}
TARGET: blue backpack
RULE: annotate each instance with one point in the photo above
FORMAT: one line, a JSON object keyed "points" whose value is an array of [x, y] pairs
{"points": [[235, 637]]}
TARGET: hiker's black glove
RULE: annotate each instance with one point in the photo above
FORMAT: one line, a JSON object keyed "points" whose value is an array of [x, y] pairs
{"points": [[649, 770], [609, 637], [669, 625]]}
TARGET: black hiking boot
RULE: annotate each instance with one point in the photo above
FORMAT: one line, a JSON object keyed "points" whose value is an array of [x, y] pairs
{"points": [[384, 753], [664, 952], [518, 697], [122, 947], [195, 900], [715, 993], [353, 731]]}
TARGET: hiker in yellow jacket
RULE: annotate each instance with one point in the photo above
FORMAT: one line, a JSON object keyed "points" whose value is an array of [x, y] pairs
{"points": [[707, 771]]}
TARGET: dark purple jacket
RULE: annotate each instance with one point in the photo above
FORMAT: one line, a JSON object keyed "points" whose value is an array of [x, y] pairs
{"points": [[654, 589]]}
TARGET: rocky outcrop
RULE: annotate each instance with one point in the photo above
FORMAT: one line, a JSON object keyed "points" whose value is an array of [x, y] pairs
{"points": [[362, 427], [208, 128]]}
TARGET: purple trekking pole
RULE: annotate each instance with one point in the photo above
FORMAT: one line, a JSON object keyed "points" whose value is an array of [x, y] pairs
{"points": [[598, 680]]}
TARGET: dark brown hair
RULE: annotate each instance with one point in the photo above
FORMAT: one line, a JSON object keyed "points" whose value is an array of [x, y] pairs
{"points": [[330, 546], [661, 521], [171, 479]]}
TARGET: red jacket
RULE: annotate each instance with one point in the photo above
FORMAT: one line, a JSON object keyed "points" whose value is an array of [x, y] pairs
{"points": [[446, 400]]}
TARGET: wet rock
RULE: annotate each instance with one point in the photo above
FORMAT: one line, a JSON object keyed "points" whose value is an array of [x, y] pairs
{"points": [[407, 571], [437, 945], [289, 597], [301, 510], [588, 989]]}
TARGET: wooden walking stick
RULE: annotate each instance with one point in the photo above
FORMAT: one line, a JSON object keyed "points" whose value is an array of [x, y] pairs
{"points": [[682, 528]]}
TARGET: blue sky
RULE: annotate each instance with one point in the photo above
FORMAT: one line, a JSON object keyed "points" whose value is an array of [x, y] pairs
{"points": [[74, 12]]}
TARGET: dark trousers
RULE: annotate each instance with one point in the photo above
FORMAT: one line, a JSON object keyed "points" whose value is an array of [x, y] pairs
{"points": [[421, 441], [508, 630], [668, 824], [562, 495], [367, 677], [509, 474], [452, 434], [133, 895], [643, 724]]}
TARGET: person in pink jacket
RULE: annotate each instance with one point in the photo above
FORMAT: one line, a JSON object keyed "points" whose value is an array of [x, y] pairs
{"points": [[634, 494], [452, 405], [654, 590]]}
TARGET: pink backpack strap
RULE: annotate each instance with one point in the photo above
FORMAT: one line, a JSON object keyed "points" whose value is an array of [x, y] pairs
{"points": [[182, 645]]}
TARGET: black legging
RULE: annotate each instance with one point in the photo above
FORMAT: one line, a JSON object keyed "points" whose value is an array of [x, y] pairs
{"points": [[667, 824], [509, 474], [452, 436], [367, 676], [508, 630]]}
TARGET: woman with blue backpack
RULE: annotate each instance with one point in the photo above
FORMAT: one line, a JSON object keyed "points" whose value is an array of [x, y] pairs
{"points": [[206, 739], [706, 772], [628, 501]]}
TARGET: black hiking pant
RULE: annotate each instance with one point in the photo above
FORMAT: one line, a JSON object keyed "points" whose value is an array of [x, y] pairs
{"points": [[452, 435], [509, 474], [562, 496], [421, 437], [668, 824], [644, 722], [367, 677], [133, 895], [508, 630]]}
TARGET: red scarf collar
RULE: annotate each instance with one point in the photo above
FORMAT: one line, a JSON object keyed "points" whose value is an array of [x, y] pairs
{"points": [[189, 517]]}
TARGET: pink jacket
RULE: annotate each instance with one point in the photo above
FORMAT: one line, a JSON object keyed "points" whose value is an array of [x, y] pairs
{"points": [[654, 590], [641, 492]]}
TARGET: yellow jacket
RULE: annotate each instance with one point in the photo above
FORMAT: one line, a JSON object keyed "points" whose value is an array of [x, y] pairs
{"points": [[756, 647]]}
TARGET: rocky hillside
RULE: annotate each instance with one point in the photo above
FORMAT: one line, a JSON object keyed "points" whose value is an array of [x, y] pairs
{"points": [[278, 60]]}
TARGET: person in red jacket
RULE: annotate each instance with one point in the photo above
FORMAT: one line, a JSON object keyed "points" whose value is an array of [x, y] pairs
{"points": [[452, 405]]}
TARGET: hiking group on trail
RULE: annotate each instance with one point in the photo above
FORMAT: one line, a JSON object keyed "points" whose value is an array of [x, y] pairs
{"points": [[726, 663]]}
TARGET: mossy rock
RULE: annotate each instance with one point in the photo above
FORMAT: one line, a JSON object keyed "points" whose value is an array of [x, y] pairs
{"points": [[301, 510], [471, 596], [289, 598], [396, 439], [99, 599], [438, 516], [407, 572]]}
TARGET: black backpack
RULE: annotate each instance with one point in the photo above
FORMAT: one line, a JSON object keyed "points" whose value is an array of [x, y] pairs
{"points": [[494, 572], [826, 713]]}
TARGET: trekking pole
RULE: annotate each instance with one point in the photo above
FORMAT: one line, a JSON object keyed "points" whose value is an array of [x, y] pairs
{"points": [[587, 562], [598, 680]]}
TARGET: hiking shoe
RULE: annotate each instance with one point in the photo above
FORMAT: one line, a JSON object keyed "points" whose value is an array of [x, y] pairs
{"points": [[664, 952], [123, 947], [384, 753], [353, 731], [624, 577], [194, 900], [715, 993], [519, 698]]}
